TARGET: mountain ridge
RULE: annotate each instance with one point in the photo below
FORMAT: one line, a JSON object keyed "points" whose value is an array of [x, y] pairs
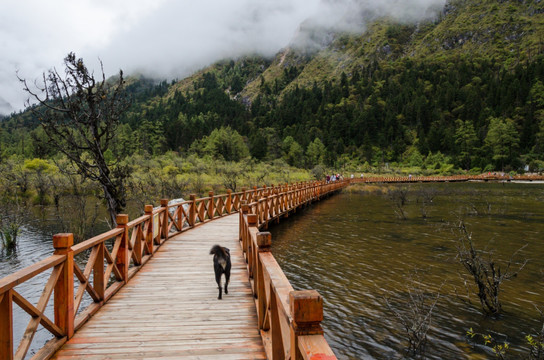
{"points": [[396, 92]]}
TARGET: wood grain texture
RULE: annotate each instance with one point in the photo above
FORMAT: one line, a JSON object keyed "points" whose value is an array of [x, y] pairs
{"points": [[170, 308]]}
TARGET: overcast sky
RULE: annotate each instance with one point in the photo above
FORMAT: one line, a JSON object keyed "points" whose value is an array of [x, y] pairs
{"points": [[164, 38]]}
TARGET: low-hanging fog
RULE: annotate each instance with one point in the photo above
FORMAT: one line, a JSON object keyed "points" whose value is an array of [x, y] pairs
{"points": [[168, 38]]}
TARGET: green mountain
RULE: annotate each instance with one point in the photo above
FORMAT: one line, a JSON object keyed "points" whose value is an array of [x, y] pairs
{"points": [[465, 88], [509, 31]]}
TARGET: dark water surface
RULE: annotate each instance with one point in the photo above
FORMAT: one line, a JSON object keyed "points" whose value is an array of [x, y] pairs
{"points": [[355, 250], [35, 243]]}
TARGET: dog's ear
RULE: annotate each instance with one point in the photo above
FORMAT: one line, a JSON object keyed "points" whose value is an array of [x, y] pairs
{"points": [[227, 250]]}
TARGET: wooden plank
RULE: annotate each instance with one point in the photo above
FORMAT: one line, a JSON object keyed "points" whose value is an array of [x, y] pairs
{"points": [[177, 356], [6, 325], [36, 320], [34, 312], [49, 348], [95, 240], [169, 309], [315, 347], [29, 272]]}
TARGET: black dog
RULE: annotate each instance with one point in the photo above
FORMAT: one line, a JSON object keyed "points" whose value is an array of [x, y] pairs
{"points": [[221, 265]]}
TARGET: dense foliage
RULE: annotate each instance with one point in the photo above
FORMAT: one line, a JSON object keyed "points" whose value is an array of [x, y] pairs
{"points": [[475, 111], [440, 96]]}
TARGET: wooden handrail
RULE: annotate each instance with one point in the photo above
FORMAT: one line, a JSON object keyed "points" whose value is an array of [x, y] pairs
{"points": [[96, 240], [452, 178], [114, 257], [8, 296], [289, 320], [19, 277], [132, 243]]}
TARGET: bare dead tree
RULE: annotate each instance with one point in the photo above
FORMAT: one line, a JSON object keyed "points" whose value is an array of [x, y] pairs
{"points": [[399, 198], [80, 114], [488, 276], [12, 206], [415, 314], [426, 196], [11, 222], [77, 203]]}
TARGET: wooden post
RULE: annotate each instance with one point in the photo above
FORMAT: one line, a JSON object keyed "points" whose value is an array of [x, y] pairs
{"points": [[64, 289], [307, 313], [278, 348], [192, 210], [252, 221], [122, 260], [165, 217], [99, 282], [257, 208], [264, 241], [211, 205], [6, 325], [266, 212], [229, 201], [137, 246], [150, 229], [244, 210], [244, 195]]}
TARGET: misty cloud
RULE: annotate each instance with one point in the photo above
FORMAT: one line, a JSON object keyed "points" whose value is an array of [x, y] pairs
{"points": [[353, 16], [5, 107], [168, 38]]}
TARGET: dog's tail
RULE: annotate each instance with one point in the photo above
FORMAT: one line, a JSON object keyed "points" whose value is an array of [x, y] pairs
{"points": [[219, 251]]}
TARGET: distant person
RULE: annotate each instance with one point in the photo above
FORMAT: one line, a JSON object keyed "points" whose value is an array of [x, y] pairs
{"points": [[352, 176], [409, 177], [328, 179]]}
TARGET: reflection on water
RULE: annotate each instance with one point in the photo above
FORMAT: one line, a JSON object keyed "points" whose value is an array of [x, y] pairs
{"points": [[355, 251], [35, 243]]}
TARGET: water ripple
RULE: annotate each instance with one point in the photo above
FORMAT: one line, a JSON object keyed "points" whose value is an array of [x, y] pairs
{"points": [[355, 252]]}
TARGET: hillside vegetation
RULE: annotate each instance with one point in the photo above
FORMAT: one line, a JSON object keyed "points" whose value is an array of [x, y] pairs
{"points": [[464, 91]]}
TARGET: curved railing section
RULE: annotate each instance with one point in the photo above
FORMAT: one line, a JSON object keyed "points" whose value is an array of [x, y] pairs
{"points": [[111, 259], [289, 320], [452, 178], [108, 261]]}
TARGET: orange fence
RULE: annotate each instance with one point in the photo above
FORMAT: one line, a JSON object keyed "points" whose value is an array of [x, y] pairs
{"points": [[452, 178], [113, 258], [289, 321]]}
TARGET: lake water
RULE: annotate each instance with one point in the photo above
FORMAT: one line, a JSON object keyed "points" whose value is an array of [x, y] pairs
{"points": [[357, 250], [35, 243]]}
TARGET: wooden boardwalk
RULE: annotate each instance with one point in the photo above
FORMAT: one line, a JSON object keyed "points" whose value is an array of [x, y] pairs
{"points": [[153, 287], [169, 310]]}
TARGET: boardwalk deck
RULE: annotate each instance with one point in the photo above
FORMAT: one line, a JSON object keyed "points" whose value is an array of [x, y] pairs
{"points": [[170, 308]]}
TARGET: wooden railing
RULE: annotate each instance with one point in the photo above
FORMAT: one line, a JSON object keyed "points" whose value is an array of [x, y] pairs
{"points": [[289, 320], [452, 178], [110, 260]]}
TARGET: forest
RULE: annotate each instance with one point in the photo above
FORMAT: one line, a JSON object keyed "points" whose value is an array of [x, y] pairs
{"points": [[465, 114], [392, 100], [459, 94]]}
